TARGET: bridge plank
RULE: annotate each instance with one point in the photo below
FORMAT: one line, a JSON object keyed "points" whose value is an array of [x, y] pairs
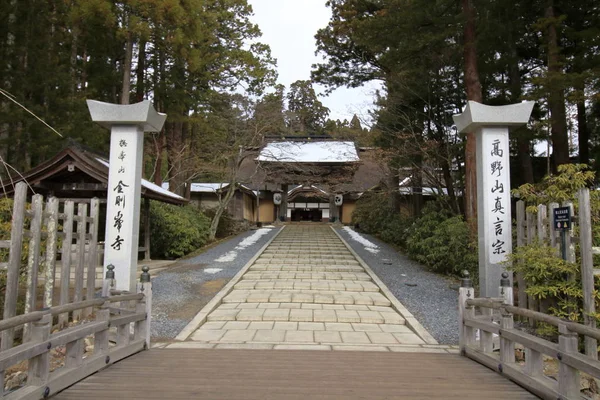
{"points": [[284, 374]]}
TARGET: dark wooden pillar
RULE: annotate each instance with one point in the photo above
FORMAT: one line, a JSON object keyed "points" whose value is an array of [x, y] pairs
{"points": [[147, 229], [284, 200]]}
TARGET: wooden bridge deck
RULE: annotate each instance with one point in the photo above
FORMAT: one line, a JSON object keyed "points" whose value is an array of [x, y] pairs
{"points": [[293, 374]]}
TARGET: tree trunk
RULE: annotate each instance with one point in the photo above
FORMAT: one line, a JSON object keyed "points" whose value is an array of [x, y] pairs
{"points": [[214, 224], [159, 146], [140, 89], [126, 88], [582, 126], [473, 88], [417, 187], [556, 94]]}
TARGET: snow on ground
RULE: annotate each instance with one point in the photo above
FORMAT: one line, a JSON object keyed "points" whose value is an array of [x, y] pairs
{"points": [[249, 241], [212, 270], [369, 246]]}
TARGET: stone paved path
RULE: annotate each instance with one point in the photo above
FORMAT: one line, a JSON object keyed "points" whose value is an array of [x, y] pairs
{"points": [[308, 291]]}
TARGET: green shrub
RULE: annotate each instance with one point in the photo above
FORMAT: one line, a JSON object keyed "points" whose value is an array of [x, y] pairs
{"points": [[227, 225], [437, 239], [442, 242], [176, 231]]}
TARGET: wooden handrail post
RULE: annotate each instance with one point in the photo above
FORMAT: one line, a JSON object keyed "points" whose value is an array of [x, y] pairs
{"points": [[507, 347], [465, 292], [109, 280], [101, 337], [568, 377], [142, 328], [39, 366], [587, 270]]}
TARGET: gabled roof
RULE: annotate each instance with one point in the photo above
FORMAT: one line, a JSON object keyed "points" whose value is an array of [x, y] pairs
{"points": [[75, 166], [309, 152]]}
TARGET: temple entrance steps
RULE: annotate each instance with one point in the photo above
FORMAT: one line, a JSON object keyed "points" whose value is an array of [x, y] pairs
{"points": [[307, 289]]}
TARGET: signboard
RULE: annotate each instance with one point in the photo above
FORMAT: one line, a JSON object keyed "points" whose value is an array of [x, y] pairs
{"points": [[277, 199], [562, 218], [339, 199]]}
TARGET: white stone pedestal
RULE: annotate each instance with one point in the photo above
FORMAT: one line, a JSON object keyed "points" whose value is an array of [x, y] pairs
{"points": [[494, 223], [127, 124]]}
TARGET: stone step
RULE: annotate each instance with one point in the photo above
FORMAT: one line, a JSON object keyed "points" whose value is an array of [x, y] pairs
{"points": [[286, 256], [329, 276], [305, 315], [307, 284], [309, 252], [307, 296], [306, 268]]}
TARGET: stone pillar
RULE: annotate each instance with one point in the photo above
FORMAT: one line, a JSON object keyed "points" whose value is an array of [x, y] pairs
{"points": [[127, 124], [494, 224]]}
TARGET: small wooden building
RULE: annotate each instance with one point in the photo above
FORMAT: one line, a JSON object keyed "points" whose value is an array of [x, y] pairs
{"points": [[80, 174]]}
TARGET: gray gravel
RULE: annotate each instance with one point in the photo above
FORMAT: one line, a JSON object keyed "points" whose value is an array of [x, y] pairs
{"points": [[431, 298], [181, 291]]}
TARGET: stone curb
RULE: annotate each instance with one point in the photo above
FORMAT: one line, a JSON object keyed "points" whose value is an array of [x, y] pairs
{"points": [[200, 318], [411, 321]]}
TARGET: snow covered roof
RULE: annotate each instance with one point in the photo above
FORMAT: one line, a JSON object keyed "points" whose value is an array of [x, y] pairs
{"points": [[149, 185], [309, 152]]}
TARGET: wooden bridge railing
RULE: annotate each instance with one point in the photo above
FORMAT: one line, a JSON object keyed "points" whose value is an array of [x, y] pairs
{"points": [[530, 375], [124, 315]]}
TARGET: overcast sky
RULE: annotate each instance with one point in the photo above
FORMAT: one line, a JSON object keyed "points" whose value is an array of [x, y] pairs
{"points": [[289, 27]]}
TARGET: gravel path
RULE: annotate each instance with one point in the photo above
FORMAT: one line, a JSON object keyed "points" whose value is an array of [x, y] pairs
{"points": [[181, 291], [428, 296]]}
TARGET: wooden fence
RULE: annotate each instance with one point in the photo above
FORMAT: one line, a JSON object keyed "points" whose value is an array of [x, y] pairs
{"points": [[531, 227], [55, 324], [478, 314]]}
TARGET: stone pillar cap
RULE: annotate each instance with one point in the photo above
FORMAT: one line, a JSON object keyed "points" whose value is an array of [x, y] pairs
{"points": [[142, 114], [477, 115]]}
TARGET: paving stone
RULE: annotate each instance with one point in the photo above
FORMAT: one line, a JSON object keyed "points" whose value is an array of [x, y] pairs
{"points": [[223, 315], [248, 346], [236, 325], [311, 326], [213, 325], [360, 348], [324, 299], [333, 307], [261, 325], [302, 347], [381, 338], [247, 305], [229, 305], [395, 328], [327, 337], [355, 337], [406, 349], [324, 316], [310, 306], [269, 336], [299, 336], [250, 315], [238, 335], [286, 326], [277, 314], [370, 317], [356, 307], [408, 338], [302, 298], [268, 305], [392, 318], [258, 297], [347, 316], [290, 305], [366, 327], [280, 297], [208, 335], [190, 345], [339, 327], [343, 299]]}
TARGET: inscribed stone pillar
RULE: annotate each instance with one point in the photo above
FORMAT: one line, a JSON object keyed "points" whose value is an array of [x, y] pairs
{"points": [[127, 124], [494, 223]]}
